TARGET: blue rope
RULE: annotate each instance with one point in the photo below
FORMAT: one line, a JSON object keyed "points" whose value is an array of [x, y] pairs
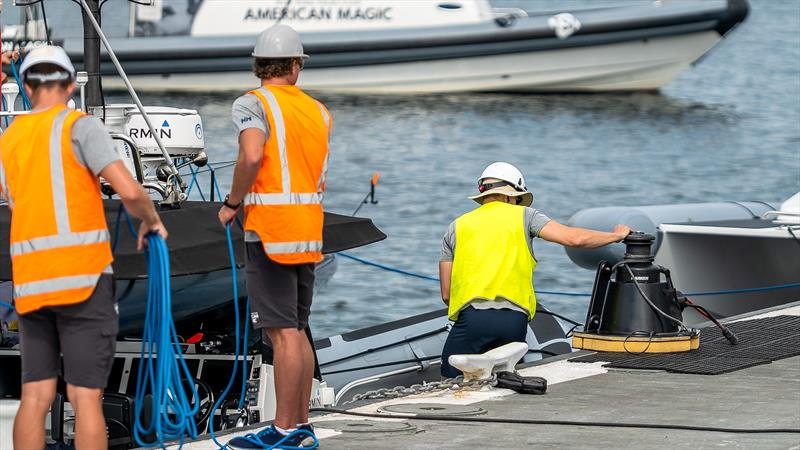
{"points": [[164, 376], [227, 389], [5, 119], [26, 102], [7, 305], [572, 294], [194, 182]]}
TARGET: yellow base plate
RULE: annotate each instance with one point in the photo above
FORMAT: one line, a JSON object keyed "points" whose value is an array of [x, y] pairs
{"points": [[635, 344]]}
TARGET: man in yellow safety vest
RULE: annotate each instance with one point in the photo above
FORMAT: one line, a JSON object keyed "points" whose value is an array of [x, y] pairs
{"points": [[488, 282]]}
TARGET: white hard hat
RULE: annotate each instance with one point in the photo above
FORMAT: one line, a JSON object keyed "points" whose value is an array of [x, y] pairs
{"points": [[279, 41], [502, 178], [51, 54]]}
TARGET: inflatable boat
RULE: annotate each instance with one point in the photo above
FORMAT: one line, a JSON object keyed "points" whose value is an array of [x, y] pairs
{"points": [[397, 45]]}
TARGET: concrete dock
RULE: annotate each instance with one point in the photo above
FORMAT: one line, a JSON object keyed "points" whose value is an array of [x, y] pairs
{"points": [[764, 396]]}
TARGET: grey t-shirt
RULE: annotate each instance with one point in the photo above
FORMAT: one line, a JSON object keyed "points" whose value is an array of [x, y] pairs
{"points": [[248, 112], [92, 145], [534, 221]]}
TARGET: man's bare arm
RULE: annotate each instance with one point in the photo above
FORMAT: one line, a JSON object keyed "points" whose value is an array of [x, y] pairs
{"points": [[445, 273], [581, 237]]}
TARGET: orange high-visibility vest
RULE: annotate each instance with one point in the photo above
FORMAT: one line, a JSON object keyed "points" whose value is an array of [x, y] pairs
{"points": [[59, 237], [284, 205]]}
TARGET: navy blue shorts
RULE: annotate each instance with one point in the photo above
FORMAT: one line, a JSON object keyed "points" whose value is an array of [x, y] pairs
{"points": [[480, 330]]}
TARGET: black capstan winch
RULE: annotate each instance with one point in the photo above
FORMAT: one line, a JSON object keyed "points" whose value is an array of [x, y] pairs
{"points": [[635, 307]]}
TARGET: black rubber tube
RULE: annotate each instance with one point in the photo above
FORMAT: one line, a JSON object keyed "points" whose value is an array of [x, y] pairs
{"points": [[572, 423]]}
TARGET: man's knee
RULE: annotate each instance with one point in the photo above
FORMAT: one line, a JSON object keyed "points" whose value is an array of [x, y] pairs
{"points": [[279, 336], [79, 396], [39, 394]]}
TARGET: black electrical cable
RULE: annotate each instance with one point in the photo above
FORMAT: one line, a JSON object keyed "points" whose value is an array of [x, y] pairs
{"points": [[46, 28], [571, 423], [572, 330], [566, 319], [725, 331]]}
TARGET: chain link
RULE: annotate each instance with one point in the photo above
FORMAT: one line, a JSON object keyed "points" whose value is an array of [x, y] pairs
{"points": [[452, 384]]}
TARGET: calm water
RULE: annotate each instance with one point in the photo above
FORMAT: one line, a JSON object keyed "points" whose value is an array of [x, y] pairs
{"points": [[728, 129]]}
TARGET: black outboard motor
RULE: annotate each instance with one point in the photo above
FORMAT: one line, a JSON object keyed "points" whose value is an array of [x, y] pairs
{"points": [[632, 308]]}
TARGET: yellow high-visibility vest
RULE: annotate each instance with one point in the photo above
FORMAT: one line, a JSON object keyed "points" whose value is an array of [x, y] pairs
{"points": [[492, 258]]}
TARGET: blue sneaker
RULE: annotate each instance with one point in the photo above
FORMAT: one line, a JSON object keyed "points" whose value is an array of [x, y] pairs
{"points": [[271, 438], [310, 440]]}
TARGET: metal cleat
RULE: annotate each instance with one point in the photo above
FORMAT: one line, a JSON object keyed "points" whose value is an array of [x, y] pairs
{"points": [[479, 367]]}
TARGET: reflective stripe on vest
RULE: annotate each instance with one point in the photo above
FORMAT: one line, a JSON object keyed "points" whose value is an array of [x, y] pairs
{"points": [[492, 260], [59, 240], [55, 284], [59, 187], [59, 243], [287, 215], [313, 198], [293, 247], [327, 118], [280, 135]]}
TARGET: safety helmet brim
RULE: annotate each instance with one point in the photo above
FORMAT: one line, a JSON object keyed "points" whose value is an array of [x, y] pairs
{"points": [[526, 197], [304, 56]]}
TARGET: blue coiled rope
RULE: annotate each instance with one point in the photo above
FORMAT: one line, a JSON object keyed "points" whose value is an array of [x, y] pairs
{"points": [[162, 372]]}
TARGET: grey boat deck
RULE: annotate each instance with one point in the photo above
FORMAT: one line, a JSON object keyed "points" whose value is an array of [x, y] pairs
{"points": [[765, 396]]}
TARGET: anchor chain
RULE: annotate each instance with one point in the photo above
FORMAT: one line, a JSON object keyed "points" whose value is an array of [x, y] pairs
{"points": [[452, 384]]}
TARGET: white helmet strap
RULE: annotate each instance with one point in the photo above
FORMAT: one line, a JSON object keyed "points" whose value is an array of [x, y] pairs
{"points": [[45, 77]]}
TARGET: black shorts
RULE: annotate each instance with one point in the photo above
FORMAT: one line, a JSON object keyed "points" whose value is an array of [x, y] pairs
{"points": [[280, 294], [85, 334]]}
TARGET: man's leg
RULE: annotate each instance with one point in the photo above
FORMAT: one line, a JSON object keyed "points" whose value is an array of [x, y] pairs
{"points": [[90, 425], [305, 294], [307, 380], [290, 368], [88, 335], [37, 396], [39, 353]]}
